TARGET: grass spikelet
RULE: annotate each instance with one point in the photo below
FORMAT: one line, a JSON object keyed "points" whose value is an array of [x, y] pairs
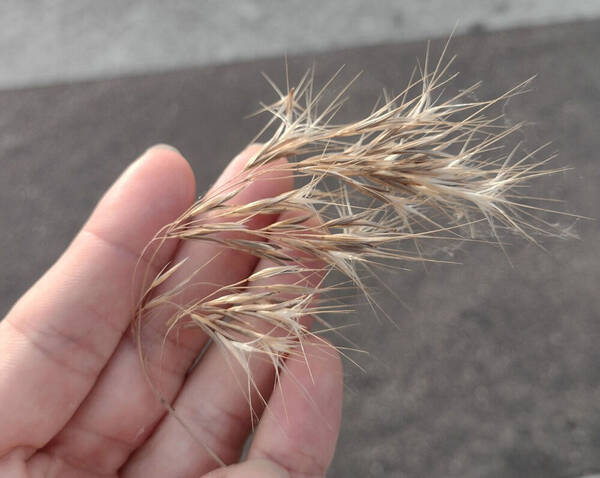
{"points": [[369, 193]]}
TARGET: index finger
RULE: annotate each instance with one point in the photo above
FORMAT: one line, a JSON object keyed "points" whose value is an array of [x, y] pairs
{"points": [[60, 334]]}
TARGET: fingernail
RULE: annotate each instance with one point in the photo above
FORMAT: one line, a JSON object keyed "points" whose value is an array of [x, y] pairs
{"points": [[163, 146]]}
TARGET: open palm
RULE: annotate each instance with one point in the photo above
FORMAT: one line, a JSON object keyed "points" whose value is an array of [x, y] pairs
{"points": [[74, 401]]}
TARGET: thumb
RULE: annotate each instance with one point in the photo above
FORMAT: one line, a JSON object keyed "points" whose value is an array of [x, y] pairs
{"points": [[255, 468]]}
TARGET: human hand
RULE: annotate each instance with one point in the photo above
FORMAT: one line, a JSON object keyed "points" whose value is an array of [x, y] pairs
{"points": [[74, 401]]}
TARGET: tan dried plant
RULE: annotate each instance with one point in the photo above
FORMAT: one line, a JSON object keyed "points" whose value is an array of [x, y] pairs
{"points": [[368, 194]]}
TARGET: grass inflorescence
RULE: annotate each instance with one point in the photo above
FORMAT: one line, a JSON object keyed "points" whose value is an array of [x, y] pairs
{"points": [[368, 194]]}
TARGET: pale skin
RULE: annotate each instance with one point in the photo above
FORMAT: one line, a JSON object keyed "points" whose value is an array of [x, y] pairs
{"points": [[74, 401]]}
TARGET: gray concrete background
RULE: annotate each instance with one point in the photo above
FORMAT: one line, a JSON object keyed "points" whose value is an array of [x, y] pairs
{"points": [[46, 41], [494, 370]]}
